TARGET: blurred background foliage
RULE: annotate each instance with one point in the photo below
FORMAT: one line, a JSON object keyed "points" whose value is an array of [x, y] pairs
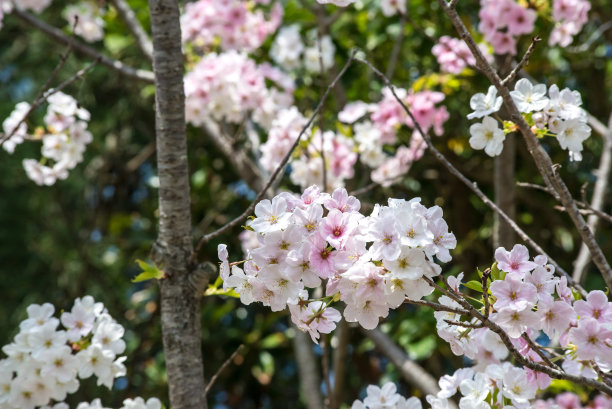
{"points": [[83, 235]]}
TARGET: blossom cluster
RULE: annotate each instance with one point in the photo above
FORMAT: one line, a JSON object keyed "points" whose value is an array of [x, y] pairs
{"points": [[454, 55], [229, 86], [495, 386], [559, 114], [137, 403], [289, 51], [86, 19], [371, 263], [375, 127], [502, 21], [233, 24], [386, 398], [44, 363], [526, 298], [64, 138], [569, 17]]}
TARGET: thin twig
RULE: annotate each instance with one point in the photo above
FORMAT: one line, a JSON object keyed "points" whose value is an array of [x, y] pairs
{"points": [[485, 290], [524, 61], [58, 35], [45, 95], [397, 45], [208, 237], [464, 324], [222, 368], [587, 208], [436, 306], [472, 185], [538, 351], [130, 19], [43, 89]]}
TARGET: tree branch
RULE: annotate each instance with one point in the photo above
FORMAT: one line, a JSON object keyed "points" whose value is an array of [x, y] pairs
{"points": [[222, 368], [130, 19], [241, 162], [524, 61], [540, 157], [596, 205], [57, 35], [310, 382]]}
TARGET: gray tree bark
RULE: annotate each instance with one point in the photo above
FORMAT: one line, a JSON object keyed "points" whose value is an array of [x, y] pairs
{"points": [[180, 296], [310, 382]]}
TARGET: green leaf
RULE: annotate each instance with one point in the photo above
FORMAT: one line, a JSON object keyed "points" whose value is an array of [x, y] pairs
{"points": [[149, 272], [220, 291], [474, 285], [115, 43], [496, 273]]}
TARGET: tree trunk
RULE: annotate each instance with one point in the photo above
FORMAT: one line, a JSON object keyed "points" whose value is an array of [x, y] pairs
{"points": [[180, 301]]}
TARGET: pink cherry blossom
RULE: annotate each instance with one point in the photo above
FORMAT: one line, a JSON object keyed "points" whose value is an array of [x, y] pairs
{"points": [[515, 261]]}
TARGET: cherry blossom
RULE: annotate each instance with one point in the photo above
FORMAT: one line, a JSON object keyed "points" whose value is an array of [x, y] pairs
{"points": [[487, 136]]}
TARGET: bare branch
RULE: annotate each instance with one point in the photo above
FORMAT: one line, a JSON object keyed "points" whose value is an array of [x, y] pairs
{"points": [[241, 162], [342, 334], [397, 46], [208, 237], [310, 382], [130, 19], [435, 306], [596, 205], [540, 157], [222, 368], [524, 61], [59, 36], [472, 185]]}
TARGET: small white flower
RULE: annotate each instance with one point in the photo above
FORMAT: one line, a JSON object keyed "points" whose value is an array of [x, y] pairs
{"points": [[529, 98], [484, 105], [487, 136], [571, 135]]}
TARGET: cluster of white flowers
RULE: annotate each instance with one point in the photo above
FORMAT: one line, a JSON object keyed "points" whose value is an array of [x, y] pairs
{"points": [[138, 403], [559, 113], [370, 263], [385, 398], [88, 18], [44, 363], [289, 51], [496, 386], [64, 138], [229, 86]]}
